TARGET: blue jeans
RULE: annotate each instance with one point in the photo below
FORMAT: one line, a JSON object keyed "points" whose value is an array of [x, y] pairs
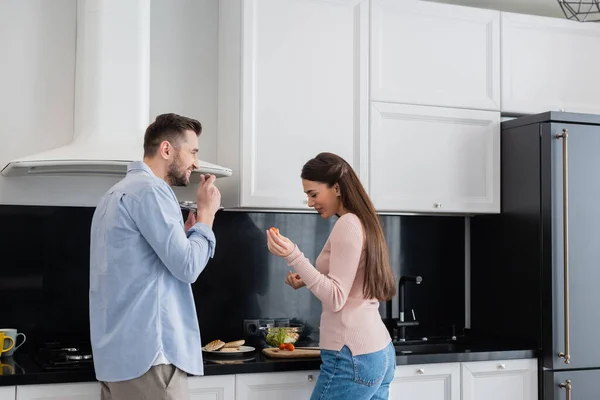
{"points": [[347, 377]]}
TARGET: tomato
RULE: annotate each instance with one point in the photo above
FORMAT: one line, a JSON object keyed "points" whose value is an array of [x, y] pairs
{"points": [[290, 346], [274, 230], [281, 346]]}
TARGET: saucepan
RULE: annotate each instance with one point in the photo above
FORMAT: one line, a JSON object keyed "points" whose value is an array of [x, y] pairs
{"points": [[191, 206]]}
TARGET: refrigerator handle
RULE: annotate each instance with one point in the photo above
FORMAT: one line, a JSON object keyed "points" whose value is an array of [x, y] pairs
{"points": [[566, 385], [566, 354]]}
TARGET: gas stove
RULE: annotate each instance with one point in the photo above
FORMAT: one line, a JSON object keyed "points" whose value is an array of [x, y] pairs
{"points": [[64, 356]]}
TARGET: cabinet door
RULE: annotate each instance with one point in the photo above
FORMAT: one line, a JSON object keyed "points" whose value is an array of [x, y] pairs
{"points": [[500, 380], [431, 159], [212, 387], [276, 386], [303, 75], [426, 382], [67, 391], [547, 65], [8, 393], [435, 54]]}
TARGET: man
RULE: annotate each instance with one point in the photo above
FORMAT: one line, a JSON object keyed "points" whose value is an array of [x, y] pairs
{"points": [[143, 260]]}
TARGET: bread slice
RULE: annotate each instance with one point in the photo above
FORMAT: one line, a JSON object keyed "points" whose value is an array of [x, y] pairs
{"points": [[214, 345], [229, 350], [236, 344]]}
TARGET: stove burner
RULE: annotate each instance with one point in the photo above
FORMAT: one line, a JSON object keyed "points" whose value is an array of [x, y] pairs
{"points": [[78, 357], [55, 356]]}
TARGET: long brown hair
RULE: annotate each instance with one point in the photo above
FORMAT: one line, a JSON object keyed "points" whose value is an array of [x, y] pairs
{"points": [[330, 169]]}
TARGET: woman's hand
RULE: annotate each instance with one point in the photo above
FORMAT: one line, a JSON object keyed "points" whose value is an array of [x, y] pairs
{"points": [[294, 280], [279, 244], [191, 220]]}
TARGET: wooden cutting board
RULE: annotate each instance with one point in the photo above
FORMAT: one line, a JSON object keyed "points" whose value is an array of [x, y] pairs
{"points": [[299, 352]]}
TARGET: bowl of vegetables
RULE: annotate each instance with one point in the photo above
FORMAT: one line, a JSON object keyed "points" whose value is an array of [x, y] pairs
{"points": [[275, 336]]}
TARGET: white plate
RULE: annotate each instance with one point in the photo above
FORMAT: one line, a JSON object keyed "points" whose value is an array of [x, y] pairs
{"points": [[243, 349]]}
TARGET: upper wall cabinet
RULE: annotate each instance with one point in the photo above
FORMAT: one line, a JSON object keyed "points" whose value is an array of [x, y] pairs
{"points": [[549, 64], [435, 54], [434, 159], [292, 83]]}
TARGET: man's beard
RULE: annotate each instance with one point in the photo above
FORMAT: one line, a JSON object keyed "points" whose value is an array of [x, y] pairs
{"points": [[175, 177]]}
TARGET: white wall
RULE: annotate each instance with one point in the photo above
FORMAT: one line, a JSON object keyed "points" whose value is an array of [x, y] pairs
{"points": [[37, 72], [184, 62], [184, 67], [37, 46]]}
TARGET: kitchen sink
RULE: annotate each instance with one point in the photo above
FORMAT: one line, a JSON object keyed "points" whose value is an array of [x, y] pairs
{"points": [[427, 348]]}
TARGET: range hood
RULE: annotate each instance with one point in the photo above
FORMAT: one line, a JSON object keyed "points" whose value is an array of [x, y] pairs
{"points": [[112, 96]]}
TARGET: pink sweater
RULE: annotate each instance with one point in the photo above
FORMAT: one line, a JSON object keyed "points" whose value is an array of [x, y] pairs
{"points": [[347, 318]]}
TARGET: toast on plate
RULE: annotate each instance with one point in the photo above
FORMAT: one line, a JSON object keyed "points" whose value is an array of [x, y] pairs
{"points": [[214, 345], [236, 344]]}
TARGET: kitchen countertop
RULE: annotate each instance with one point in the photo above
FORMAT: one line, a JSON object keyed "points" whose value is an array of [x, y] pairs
{"points": [[27, 372]]}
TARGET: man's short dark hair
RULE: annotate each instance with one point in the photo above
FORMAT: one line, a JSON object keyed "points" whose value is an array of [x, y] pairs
{"points": [[170, 127]]}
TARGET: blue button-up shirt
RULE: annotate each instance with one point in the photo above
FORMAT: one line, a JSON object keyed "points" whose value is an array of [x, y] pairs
{"points": [[142, 264]]}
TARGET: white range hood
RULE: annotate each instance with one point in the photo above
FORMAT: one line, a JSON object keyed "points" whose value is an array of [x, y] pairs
{"points": [[112, 89]]}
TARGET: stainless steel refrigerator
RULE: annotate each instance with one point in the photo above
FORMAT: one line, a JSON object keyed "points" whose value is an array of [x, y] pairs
{"points": [[536, 266]]}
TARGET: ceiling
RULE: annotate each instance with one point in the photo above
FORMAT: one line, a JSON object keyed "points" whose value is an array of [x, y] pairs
{"points": [[549, 8]]}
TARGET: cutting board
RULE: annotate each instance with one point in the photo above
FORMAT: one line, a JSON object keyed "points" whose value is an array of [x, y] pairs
{"points": [[299, 352]]}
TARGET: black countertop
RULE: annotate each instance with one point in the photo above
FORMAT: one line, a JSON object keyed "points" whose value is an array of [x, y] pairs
{"points": [[23, 370]]}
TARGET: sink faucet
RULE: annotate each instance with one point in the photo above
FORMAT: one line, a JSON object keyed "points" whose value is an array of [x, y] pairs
{"points": [[402, 324], [393, 324]]}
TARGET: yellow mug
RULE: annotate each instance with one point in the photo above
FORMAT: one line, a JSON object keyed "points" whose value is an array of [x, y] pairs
{"points": [[8, 368], [2, 349]]}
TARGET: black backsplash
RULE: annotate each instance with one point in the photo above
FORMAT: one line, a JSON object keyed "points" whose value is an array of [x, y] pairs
{"points": [[44, 272]]}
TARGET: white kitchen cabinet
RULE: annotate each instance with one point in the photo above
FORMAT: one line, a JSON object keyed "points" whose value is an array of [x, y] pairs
{"points": [[500, 380], [293, 82], [490, 380], [220, 387], [433, 159], [276, 386], [435, 54], [201, 388], [61, 391], [426, 382], [549, 64], [8, 393]]}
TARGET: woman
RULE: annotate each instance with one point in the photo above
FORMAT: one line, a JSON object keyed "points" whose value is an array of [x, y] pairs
{"points": [[351, 277]]}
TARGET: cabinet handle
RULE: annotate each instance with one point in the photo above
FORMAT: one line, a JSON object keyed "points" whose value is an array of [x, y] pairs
{"points": [[310, 378], [566, 385], [563, 135], [420, 371], [502, 366], [437, 205]]}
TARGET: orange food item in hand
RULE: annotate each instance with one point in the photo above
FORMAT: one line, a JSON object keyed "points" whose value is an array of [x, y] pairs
{"points": [[274, 230]]}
